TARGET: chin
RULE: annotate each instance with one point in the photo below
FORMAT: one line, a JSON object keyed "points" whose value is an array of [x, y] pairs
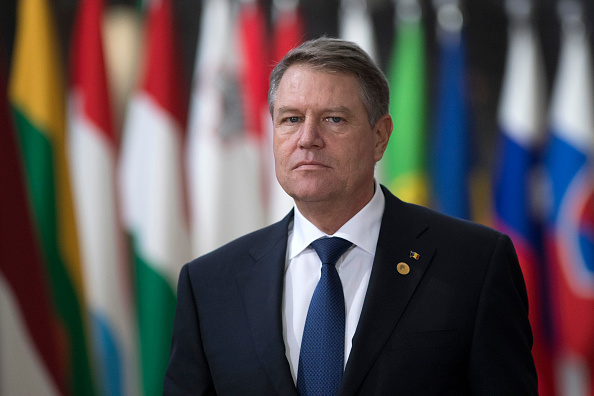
{"points": [[310, 189], [311, 194]]}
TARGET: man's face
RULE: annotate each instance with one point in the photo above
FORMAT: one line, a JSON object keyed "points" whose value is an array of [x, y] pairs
{"points": [[324, 148]]}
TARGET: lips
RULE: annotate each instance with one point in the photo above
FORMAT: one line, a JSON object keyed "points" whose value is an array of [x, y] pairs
{"points": [[310, 165]]}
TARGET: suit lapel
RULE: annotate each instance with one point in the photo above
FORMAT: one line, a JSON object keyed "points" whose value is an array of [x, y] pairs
{"points": [[261, 285], [389, 290]]}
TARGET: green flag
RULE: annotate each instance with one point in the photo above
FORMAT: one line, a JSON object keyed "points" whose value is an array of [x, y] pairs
{"points": [[37, 98], [403, 166]]}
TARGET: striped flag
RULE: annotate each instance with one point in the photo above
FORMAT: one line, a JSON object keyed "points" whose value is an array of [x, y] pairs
{"points": [[451, 145], [521, 117], [289, 29], [36, 95], [255, 66], [224, 164], [570, 227], [152, 188], [403, 166], [92, 146], [32, 357], [355, 25], [289, 32]]}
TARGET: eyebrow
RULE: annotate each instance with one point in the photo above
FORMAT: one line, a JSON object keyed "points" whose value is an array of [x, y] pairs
{"points": [[336, 109], [339, 109], [282, 110]]}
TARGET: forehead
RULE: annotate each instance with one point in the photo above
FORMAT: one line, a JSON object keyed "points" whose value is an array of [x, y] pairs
{"points": [[303, 84]]}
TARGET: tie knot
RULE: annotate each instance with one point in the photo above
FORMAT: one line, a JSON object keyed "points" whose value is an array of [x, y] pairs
{"points": [[330, 249]]}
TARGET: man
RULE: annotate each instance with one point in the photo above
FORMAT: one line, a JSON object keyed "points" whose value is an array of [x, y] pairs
{"points": [[428, 305]]}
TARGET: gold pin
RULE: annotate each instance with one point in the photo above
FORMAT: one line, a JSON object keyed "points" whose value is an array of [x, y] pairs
{"points": [[403, 268], [415, 255]]}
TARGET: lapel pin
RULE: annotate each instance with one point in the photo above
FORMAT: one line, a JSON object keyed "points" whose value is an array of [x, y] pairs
{"points": [[403, 268], [415, 255]]}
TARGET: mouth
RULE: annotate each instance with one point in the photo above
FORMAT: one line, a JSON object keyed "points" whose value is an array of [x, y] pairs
{"points": [[310, 165]]}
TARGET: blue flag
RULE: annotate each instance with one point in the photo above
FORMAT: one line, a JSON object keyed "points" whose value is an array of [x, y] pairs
{"points": [[451, 159]]}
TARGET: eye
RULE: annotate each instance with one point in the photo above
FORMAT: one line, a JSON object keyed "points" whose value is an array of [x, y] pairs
{"points": [[293, 119], [335, 120]]}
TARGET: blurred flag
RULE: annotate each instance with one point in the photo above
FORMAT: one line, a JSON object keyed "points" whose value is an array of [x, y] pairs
{"points": [[521, 117], [92, 146], [224, 164], [36, 95], [568, 159], [33, 352], [451, 140], [355, 25], [403, 165], [289, 32], [152, 187], [254, 67]]}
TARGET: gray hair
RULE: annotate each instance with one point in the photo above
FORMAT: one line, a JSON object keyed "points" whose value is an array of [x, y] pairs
{"points": [[335, 55]]}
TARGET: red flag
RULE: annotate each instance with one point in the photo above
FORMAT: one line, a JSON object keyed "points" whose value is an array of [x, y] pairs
{"points": [[162, 78], [88, 64], [255, 66], [289, 32]]}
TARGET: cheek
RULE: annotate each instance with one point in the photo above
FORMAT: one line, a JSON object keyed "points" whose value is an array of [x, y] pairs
{"points": [[361, 154], [281, 149]]}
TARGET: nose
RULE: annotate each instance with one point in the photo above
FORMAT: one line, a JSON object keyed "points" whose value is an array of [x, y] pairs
{"points": [[310, 137]]}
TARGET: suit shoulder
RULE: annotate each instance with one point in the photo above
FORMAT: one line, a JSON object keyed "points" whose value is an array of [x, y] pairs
{"points": [[431, 225], [455, 237], [247, 247], [445, 222], [421, 218]]}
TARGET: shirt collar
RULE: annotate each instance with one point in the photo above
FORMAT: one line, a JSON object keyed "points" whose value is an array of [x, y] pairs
{"points": [[362, 229]]}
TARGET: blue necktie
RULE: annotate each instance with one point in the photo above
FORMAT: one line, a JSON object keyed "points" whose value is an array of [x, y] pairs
{"points": [[321, 359]]}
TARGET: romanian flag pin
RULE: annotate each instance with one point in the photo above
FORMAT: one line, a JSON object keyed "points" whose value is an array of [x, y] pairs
{"points": [[415, 255]]}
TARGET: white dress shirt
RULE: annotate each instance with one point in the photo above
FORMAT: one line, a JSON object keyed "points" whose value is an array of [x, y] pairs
{"points": [[303, 269]]}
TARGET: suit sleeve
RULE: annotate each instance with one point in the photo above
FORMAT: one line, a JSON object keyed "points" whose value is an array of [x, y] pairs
{"points": [[188, 372], [500, 358]]}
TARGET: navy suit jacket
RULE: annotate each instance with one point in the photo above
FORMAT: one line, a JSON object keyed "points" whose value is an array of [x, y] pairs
{"points": [[456, 324]]}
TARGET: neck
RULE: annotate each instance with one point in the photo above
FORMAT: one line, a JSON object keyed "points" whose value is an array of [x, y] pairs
{"points": [[329, 216]]}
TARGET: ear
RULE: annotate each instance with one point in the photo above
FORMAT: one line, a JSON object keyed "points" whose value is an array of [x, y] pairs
{"points": [[382, 131]]}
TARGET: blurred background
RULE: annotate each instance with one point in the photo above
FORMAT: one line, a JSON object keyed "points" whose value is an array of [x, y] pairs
{"points": [[136, 136]]}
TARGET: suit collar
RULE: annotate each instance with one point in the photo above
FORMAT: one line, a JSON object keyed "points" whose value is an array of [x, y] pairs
{"points": [[389, 291], [261, 285]]}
